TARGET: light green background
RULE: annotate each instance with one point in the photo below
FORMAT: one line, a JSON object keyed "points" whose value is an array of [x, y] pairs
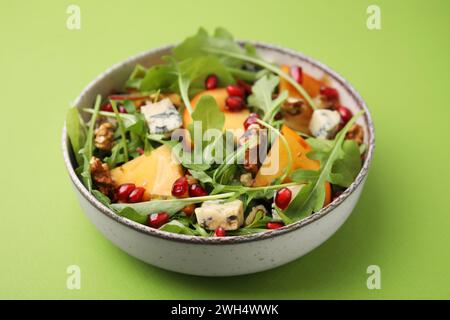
{"points": [[401, 222]]}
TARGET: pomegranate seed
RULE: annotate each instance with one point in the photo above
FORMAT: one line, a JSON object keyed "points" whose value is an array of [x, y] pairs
{"points": [[234, 103], [122, 109], [274, 225], [189, 209], [123, 191], [156, 220], [251, 119], [220, 232], [211, 82], [244, 85], [329, 93], [297, 73], [283, 198], [180, 187], [136, 195], [345, 113], [140, 150], [235, 91], [196, 190], [107, 107]]}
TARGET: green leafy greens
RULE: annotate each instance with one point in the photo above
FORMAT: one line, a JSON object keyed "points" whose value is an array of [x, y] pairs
{"points": [[334, 168]]}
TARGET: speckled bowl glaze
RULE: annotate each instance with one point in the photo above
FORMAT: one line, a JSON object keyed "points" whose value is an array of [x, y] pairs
{"points": [[225, 256]]}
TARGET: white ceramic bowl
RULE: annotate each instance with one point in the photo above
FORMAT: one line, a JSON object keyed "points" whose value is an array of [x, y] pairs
{"points": [[229, 255]]}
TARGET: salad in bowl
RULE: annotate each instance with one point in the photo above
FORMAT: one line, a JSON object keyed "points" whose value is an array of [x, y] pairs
{"points": [[217, 141]]}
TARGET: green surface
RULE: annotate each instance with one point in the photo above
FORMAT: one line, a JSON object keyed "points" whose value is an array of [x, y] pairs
{"points": [[401, 222]]}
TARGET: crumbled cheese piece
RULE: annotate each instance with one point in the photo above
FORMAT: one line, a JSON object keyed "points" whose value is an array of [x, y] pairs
{"points": [[162, 117], [214, 214], [324, 123]]}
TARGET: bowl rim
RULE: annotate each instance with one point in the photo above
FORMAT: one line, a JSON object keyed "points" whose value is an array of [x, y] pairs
{"points": [[241, 238]]}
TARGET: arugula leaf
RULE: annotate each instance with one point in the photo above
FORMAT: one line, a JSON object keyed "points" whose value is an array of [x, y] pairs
{"points": [[129, 107], [135, 79], [192, 73], [159, 77], [175, 226], [101, 197], [128, 119], [87, 150], [231, 54], [262, 96], [348, 166], [201, 176], [201, 231], [76, 132], [131, 214], [121, 130], [312, 196], [208, 113], [194, 46], [262, 90], [304, 176], [197, 69], [171, 206]]}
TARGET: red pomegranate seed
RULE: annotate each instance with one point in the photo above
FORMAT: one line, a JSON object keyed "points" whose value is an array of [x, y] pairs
{"points": [[274, 225], [123, 191], [297, 73], [211, 82], [122, 109], [107, 107], [196, 190], [235, 91], [251, 119], [136, 195], [234, 103], [220, 232], [329, 93], [345, 113], [156, 220], [283, 198], [244, 85], [180, 187]]}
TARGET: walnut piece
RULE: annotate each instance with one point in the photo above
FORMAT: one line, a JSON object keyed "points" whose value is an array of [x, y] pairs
{"points": [[254, 138], [101, 176], [104, 136], [293, 106], [356, 133], [246, 179]]}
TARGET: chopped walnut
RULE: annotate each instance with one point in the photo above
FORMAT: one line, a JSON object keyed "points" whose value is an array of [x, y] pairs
{"points": [[356, 133], [246, 179], [104, 136], [293, 106], [101, 176], [322, 102]]}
